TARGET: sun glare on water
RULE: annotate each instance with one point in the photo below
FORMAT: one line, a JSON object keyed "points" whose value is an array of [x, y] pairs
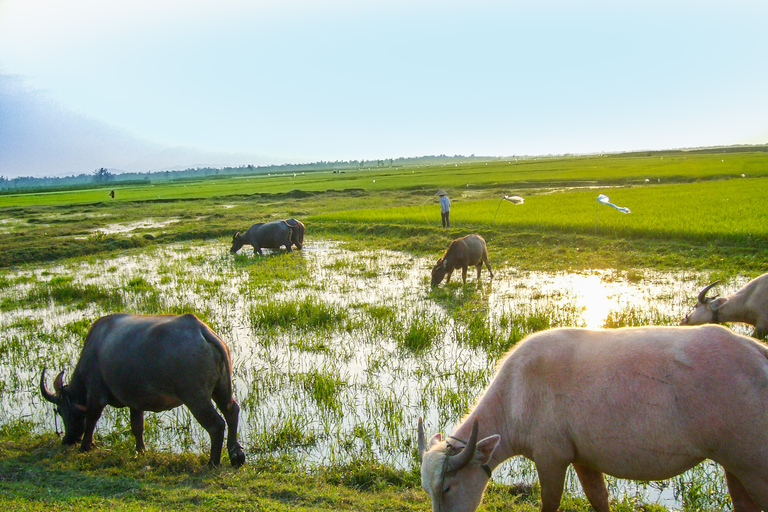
{"points": [[595, 298]]}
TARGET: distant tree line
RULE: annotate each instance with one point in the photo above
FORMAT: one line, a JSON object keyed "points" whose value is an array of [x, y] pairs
{"points": [[104, 177]]}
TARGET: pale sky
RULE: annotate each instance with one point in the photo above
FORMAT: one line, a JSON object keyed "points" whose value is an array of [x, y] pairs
{"points": [[150, 84]]}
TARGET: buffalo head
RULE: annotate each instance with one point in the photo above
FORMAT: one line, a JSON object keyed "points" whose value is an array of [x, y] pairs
{"points": [[454, 474], [237, 243], [72, 413], [706, 308], [439, 271]]}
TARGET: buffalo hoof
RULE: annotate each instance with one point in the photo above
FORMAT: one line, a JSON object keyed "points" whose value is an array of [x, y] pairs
{"points": [[237, 456]]}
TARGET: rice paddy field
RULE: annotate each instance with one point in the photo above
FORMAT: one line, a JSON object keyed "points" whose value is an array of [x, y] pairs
{"points": [[339, 348]]}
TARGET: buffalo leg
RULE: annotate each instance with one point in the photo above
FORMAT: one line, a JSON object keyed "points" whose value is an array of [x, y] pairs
{"points": [[231, 411], [742, 501], [464, 274], [594, 487], [488, 265], [206, 415], [552, 479], [448, 276], [479, 266], [91, 418], [137, 427]]}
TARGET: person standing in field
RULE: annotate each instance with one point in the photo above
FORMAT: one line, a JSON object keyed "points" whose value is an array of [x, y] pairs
{"points": [[445, 208]]}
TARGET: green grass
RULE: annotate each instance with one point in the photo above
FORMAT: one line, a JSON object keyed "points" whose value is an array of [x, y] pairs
{"points": [[308, 314], [496, 173], [38, 474], [723, 211], [701, 213]]}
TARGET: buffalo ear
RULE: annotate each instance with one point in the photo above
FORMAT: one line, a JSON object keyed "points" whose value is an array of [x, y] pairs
{"points": [[485, 448], [236, 236], [438, 262], [435, 439], [718, 303], [445, 264]]}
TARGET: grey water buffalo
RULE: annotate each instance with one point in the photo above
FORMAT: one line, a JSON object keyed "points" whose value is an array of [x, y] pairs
{"points": [[641, 403], [748, 305], [463, 252], [297, 232], [149, 363], [265, 235]]}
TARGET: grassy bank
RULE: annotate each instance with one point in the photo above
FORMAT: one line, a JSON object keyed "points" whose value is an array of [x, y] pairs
{"points": [[38, 474]]}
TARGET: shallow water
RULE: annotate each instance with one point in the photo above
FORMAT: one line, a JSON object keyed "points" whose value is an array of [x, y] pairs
{"points": [[379, 384]]}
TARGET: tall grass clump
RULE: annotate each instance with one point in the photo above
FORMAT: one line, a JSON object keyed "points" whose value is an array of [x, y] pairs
{"points": [[637, 317], [420, 332], [288, 434], [307, 314], [324, 388], [63, 291]]}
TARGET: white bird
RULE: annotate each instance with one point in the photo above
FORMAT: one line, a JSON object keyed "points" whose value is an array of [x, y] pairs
{"points": [[514, 199]]}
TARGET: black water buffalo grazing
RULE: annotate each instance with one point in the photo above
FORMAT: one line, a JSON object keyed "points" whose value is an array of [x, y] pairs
{"points": [[463, 252], [149, 363], [297, 235], [264, 235]]}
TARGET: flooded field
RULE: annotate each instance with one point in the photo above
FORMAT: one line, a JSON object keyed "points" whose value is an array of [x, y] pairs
{"points": [[336, 353]]}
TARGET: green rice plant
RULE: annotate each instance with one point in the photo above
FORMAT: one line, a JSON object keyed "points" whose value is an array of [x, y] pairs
{"points": [[63, 291], [289, 434], [702, 488], [672, 211], [310, 344], [382, 318], [304, 315], [420, 332], [139, 285], [635, 316], [272, 271], [207, 287], [25, 324], [323, 387], [79, 328]]}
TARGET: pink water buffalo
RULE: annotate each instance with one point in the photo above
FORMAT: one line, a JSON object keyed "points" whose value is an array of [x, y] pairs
{"points": [[644, 403]]}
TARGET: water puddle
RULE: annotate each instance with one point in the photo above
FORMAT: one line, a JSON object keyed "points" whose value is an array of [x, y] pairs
{"points": [[378, 347], [112, 229]]}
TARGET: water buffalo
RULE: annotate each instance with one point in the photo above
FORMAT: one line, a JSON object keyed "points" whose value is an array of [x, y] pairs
{"points": [[297, 235], [149, 363], [748, 305], [463, 252], [265, 235], [642, 403]]}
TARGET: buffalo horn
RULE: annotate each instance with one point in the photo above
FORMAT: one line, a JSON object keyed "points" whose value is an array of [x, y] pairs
{"points": [[58, 383], [703, 293], [45, 391], [461, 459], [422, 443]]}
